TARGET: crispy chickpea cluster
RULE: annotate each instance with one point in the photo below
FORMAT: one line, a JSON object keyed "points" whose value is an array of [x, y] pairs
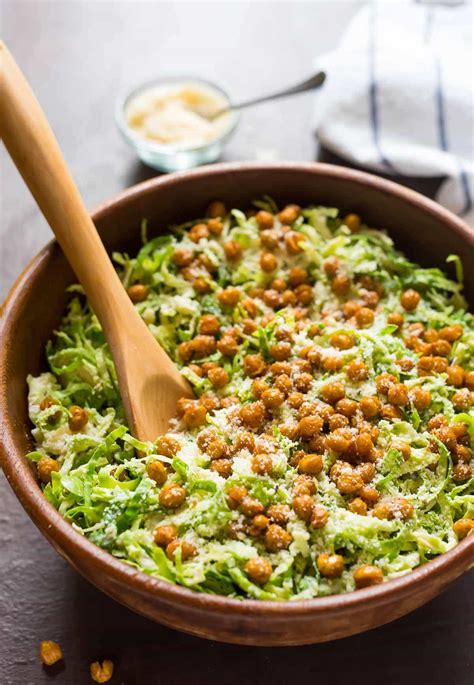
{"points": [[291, 394]]}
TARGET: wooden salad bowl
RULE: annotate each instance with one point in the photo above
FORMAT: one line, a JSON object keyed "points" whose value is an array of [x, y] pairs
{"points": [[422, 229]]}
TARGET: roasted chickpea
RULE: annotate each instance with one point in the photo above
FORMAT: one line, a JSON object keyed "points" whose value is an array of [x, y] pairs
{"points": [[332, 362], [210, 402], [198, 232], [277, 538], [165, 534], [216, 209], [264, 220], [138, 292], [297, 276], [398, 394], [358, 506], [463, 528], [289, 214], [283, 383], [194, 416], [357, 370], [319, 516], [201, 285], [269, 239], [396, 319], [279, 513], [235, 495], [304, 294], [295, 399], [203, 345], [272, 398], [209, 325], [402, 447], [50, 652], [342, 341], [461, 472], [341, 284], [303, 381], [331, 266], [217, 449], [370, 299], [293, 241], [46, 466], [259, 387], [469, 380], [251, 507], [336, 421], [228, 346], [309, 426], [395, 507], [172, 495], [462, 399], [254, 365], [363, 445], [410, 299], [156, 470], [215, 226], [229, 297], [303, 506], [272, 298], [352, 221], [262, 464], [340, 440], [332, 392], [304, 485], [364, 317], [278, 284], [349, 482], [167, 446], [421, 398], [330, 565], [369, 494], [258, 570], [346, 407], [188, 550], [367, 575], [232, 250], [78, 418], [441, 348], [268, 262], [451, 333], [222, 466], [253, 415], [218, 377], [280, 351], [311, 464], [455, 375]]}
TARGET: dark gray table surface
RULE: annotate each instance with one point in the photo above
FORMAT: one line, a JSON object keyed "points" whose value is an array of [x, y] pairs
{"points": [[79, 56]]}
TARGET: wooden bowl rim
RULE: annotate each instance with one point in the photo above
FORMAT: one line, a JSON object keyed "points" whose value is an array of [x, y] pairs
{"points": [[61, 533]]}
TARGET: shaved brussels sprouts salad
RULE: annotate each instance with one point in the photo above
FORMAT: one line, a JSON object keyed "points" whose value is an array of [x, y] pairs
{"points": [[330, 444]]}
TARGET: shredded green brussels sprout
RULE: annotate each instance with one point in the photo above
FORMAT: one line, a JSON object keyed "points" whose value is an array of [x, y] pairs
{"points": [[330, 445]]}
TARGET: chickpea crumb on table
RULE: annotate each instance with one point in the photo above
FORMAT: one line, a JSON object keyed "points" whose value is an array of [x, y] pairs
{"points": [[329, 447]]}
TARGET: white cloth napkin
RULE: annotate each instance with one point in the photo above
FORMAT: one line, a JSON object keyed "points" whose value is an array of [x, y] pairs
{"points": [[399, 95]]}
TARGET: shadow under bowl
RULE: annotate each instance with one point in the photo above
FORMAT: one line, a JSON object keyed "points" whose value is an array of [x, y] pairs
{"points": [[424, 230]]}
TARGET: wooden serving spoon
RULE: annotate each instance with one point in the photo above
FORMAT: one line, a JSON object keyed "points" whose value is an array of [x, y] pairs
{"points": [[150, 383]]}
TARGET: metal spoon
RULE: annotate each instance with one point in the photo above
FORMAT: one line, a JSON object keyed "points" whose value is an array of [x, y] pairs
{"points": [[310, 84]]}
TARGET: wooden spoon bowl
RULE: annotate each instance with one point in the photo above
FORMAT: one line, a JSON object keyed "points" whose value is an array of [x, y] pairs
{"points": [[424, 230]]}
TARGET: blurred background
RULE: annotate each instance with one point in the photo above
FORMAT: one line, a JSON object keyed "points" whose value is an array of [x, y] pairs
{"points": [[79, 58]]}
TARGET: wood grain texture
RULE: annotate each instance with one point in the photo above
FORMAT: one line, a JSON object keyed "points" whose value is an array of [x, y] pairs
{"points": [[41, 597], [150, 384]]}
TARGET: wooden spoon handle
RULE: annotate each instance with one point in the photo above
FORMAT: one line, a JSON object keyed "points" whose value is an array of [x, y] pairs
{"points": [[36, 153]]}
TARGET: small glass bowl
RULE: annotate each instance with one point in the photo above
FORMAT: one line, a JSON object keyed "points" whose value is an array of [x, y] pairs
{"points": [[173, 157]]}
